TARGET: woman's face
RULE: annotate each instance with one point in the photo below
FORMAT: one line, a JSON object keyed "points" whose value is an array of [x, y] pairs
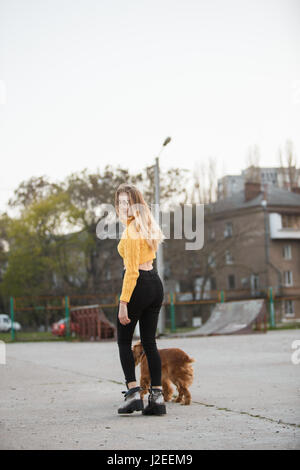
{"points": [[124, 207]]}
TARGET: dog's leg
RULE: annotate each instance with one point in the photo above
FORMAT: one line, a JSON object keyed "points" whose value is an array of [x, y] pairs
{"points": [[180, 395], [187, 396], [167, 389], [179, 390], [187, 380]]}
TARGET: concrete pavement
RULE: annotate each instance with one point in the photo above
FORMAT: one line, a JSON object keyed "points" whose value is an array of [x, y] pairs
{"points": [[245, 395]]}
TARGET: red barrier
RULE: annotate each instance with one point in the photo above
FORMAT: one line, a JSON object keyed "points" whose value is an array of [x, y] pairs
{"points": [[92, 323]]}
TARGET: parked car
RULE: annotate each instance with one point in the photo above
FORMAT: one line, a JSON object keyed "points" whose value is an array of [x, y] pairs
{"points": [[5, 323], [60, 328]]}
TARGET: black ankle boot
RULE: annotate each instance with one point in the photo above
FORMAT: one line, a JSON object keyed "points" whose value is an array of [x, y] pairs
{"points": [[156, 404], [133, 401]]}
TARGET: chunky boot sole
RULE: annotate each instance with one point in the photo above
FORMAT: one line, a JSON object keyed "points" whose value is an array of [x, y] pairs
{"points": [[155, 409], [136, 405]]}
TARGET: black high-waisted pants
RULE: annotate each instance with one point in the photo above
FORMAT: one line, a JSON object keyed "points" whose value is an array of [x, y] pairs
{"points": [[144, 306]]}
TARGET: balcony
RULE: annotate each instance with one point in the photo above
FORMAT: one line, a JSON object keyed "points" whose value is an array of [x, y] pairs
{"points": [[277, 231]]}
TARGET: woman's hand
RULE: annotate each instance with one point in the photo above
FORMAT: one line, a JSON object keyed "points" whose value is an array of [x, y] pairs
{"points": [[123, 314]]}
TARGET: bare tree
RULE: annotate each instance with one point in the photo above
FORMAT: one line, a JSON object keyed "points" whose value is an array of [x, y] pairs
{"points": [[252, 173], [34, 189], [173, 186], [204, 189], [287, 165]]}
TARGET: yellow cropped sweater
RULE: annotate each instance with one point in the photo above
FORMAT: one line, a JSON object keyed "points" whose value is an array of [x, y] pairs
{"points": [[134, 251]]}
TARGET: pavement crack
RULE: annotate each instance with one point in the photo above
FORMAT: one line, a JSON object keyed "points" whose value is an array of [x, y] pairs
{"points": [[295, 425], [248, 414]]}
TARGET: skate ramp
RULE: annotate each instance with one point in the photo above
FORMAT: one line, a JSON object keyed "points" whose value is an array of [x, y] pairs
{"points": [[232, 317]]}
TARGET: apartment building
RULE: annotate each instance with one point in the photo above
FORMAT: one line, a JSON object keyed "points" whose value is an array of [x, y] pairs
{"points": [[253, 239]]}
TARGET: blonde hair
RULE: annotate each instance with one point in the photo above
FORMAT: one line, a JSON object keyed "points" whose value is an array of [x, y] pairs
{"points": [[144, 222]]}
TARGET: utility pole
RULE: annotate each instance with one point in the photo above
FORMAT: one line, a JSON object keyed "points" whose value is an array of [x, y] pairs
{"points": [[159, 254]]}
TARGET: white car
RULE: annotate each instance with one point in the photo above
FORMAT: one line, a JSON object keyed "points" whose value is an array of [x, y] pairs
{"points": [[5, 323]]}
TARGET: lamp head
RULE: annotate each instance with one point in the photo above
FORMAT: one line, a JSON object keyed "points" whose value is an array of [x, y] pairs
{"points": [[264, 203]]}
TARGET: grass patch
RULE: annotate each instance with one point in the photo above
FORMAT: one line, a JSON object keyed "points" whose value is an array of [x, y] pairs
{"points": [[285, 326], [182, 329], [33, 336]]}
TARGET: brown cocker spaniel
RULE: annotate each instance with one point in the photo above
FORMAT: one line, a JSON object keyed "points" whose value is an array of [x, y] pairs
{"points": [[176, 368]]}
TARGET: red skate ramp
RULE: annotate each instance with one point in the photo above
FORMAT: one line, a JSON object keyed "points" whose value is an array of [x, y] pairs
{"points": [[233, 318]]}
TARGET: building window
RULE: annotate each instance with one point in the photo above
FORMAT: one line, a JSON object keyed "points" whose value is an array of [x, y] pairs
{"points": [[287, 252], [211, 260], [228, 257], [291, 221], [288, 278], [231, 281], [228, 230], [211, 234], [198, 285], [167, 269], [213, 284], [289, 308], [255, 281]]}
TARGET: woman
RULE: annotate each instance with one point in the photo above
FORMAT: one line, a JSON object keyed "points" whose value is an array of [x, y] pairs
{"points": [[141, 297]]}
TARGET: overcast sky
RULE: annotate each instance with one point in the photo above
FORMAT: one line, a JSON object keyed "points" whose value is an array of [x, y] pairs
{"points": [[85, 83]]}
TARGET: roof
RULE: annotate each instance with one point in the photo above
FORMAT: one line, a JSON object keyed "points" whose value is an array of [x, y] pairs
{"points": [[275, 197]]}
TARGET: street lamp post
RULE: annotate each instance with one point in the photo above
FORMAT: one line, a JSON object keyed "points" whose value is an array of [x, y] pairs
{"points": [[264, 206], [159, 255], [267, 252]]}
